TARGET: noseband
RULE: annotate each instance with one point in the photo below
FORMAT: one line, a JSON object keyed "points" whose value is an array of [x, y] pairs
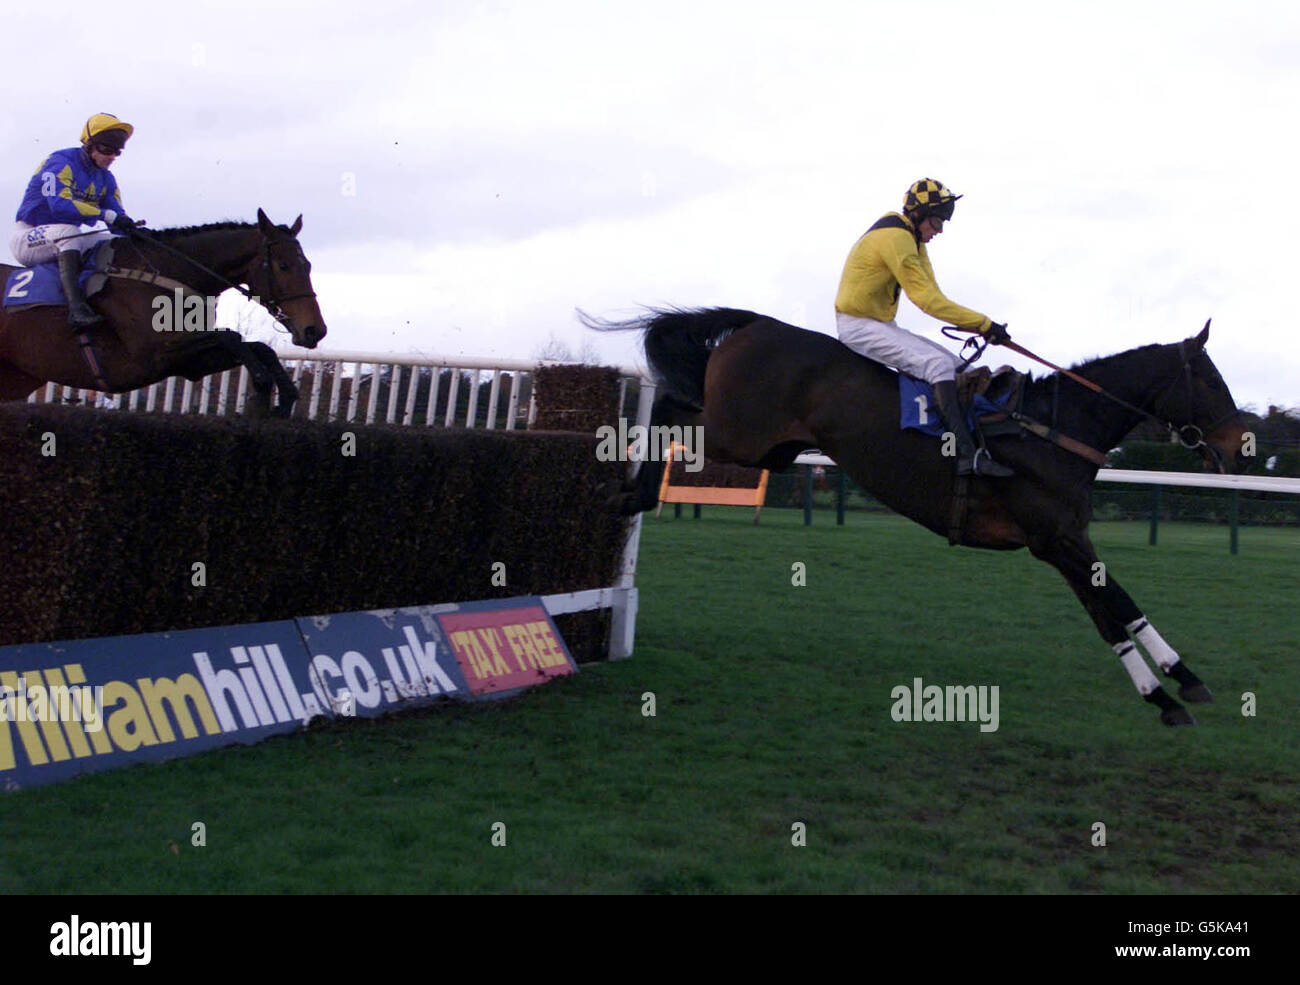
{"points": [[273, 303], [1190, 436]]}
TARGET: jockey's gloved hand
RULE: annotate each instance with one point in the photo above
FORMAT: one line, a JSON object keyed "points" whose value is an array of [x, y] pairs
{"points": [[123, 223], [997, 334]]}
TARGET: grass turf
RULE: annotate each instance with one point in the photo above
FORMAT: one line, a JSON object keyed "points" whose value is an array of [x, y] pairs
{"points": [[772, 710]]}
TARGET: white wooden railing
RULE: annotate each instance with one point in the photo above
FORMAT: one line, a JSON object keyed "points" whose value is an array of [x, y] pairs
{"points": [[349, 374], [1206, 480]]}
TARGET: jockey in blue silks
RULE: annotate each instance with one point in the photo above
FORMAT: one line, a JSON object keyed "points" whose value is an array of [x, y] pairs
{"points": [[74, 188]]}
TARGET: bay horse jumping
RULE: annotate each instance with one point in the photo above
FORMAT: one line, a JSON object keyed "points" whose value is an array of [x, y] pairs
{"points": [[38, 347], [765, 391]]}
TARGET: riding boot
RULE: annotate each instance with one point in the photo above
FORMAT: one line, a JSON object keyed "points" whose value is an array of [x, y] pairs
{"points": [[81, 315], [969, 458]]}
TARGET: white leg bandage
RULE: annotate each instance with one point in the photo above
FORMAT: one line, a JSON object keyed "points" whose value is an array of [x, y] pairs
{"points": [[1161, 652], [1143, 679]]}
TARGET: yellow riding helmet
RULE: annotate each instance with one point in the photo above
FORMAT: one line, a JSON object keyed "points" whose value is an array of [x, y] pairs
{"points": [[929, 197], [106, 124]]}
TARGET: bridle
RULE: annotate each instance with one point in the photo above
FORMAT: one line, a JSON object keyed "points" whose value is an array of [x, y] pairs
{"points": [[266, 265], [1190, 436], [273, 305]]}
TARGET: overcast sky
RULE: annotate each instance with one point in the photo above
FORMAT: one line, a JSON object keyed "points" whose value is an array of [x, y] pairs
{"points": [[470, 173]]}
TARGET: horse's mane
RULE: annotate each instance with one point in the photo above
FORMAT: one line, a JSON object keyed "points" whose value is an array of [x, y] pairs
{"points": [[178, 232], [1113, 373], [1103, 362], [1098, 366]]}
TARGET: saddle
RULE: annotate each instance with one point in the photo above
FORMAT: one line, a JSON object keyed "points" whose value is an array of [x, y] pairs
{"points": [[39, 286], [1003, 388], [987, 397], [992, 384]]}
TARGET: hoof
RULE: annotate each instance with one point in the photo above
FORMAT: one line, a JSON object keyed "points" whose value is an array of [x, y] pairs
{"points": [[258, 405], [1196, 694], [1177, 716], [622, 504]]}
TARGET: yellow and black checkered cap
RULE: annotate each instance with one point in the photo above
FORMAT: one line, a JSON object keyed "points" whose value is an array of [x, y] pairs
{"points": [[929, 197]]}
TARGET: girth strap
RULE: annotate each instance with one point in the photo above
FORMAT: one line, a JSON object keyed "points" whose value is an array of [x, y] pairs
{"points": [[960, 508], [148, 277], [1098, 458]]}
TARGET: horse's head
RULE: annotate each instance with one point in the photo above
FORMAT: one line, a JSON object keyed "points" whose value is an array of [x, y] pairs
{"points": [[1199, 402], [280, 275]]}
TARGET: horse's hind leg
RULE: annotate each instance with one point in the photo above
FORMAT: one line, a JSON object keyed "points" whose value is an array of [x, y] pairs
{"points": [[15, 384], [1122, 607], [641, 492], [1115, 614]]}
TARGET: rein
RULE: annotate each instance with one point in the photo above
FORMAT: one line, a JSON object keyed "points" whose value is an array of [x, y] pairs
{"points": [[272, 305], [1190, 436]]}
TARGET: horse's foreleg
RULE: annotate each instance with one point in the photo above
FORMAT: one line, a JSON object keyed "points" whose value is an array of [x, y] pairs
{"points": [[285, 389], [1121, 605], [240, 353], [1115, 614], [1190, 687]]}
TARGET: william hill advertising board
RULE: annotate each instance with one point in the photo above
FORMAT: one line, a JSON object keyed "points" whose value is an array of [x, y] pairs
{"points": [[88, 705]]}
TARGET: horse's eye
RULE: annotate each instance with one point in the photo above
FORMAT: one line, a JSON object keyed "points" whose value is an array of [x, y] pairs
{"points": [[284, 266]]}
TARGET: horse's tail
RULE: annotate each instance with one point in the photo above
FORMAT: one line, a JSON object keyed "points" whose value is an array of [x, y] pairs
{"points": [[678, 343]]}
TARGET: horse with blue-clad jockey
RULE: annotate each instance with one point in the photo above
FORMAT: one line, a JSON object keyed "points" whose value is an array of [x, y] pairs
{"points": [[90, 267]]}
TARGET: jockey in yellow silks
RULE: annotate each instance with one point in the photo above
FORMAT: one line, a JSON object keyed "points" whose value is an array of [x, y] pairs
{"points": [[891, 258]]}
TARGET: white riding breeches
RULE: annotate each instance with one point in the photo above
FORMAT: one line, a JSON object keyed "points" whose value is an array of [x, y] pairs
{"points": [[907, 352], [41, 244]]}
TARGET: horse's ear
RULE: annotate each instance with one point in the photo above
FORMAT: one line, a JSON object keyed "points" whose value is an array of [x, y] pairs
{"points": [[1204, 337], [263, 223], [297, 225]]}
